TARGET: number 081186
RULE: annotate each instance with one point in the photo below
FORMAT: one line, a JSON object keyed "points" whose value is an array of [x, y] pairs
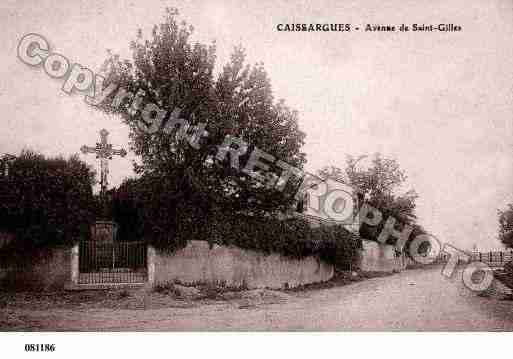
{"points": [[39, 347]]}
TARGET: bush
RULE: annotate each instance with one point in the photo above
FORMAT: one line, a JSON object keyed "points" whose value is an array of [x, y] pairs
{"points": [[148, 209], [338, 246], [293, 238], [46, 201], [143, 209]]}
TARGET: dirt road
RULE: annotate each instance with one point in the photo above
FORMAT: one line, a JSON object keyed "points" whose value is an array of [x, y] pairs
{"points": [[411, 300]]}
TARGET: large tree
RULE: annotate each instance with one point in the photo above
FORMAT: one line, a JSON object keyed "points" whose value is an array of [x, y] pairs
{"points": [[379, 184], [167, 69]]}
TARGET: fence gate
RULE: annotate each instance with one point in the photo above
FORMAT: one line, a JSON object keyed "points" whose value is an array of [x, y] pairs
{"points": [[103, 262]]}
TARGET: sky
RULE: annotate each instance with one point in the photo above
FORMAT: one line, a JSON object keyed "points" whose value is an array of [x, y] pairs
{"points": [[440, 103]]}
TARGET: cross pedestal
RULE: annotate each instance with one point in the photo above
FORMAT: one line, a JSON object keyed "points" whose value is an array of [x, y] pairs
{"points": [[104, 231]]}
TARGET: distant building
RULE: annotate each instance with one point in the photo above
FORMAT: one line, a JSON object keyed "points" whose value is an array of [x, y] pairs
{"points": [[328, 202]]}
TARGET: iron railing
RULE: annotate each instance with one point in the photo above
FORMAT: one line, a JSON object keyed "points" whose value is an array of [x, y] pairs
{"points": [[112, 262]]}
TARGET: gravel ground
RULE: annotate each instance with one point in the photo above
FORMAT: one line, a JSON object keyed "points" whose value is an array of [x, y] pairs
{"points": [[412, 300]]}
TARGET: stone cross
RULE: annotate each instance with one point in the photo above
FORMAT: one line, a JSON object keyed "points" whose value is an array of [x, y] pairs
{"points": [[104, 152]]}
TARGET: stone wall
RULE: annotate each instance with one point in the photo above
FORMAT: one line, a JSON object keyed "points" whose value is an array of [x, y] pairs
{"points": [[377, 257], [48, 269], [234, 267]]}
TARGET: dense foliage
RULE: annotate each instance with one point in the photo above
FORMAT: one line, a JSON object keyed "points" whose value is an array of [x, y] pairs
{"points": [[292, 238], [186, 192], [168, 70], [146, 208], [143, 212], [46, 201], [380, 186]]}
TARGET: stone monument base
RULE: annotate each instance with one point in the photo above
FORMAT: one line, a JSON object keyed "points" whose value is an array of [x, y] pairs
{"points": [[104, 231]]}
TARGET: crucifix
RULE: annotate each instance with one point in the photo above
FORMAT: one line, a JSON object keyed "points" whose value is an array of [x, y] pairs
{"points": [[104, 152]]}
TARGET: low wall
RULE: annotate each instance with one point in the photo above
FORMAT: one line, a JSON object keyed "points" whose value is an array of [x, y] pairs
{"points": [[48, 269], [234, 267], [380, 258]]}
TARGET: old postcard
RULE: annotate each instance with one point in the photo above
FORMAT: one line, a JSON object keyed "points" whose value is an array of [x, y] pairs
{"points": [[255, 166]]}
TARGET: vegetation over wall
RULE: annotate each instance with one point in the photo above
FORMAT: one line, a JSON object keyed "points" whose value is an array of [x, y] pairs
{"points": [[46, 201], [143, 209], [381, 184], [292, 238]]}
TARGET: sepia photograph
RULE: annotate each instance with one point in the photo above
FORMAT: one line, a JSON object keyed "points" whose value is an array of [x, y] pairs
{"points": [[254, 166]]}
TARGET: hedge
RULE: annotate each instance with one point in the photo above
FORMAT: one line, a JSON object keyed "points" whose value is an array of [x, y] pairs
{"points": [[146, 209], [46, 201], [293, 237]]}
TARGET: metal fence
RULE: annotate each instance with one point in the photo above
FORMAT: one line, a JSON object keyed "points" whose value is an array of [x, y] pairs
{"points": [[112, 262], [493, 259]]}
